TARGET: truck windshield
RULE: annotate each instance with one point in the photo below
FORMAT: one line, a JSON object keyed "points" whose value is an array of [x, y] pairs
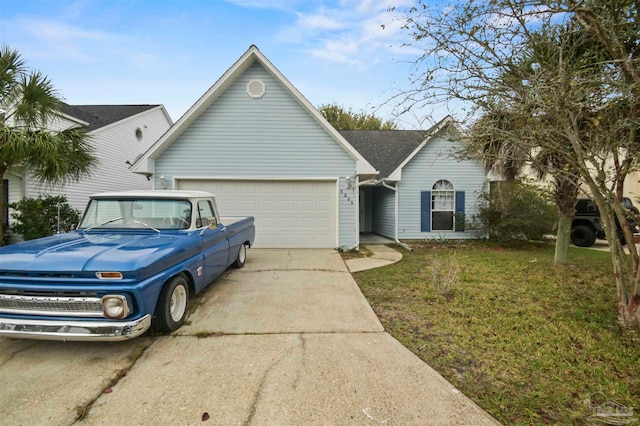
{"points": [[141, 213]]}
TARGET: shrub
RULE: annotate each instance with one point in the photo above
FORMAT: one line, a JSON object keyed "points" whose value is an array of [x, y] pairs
{"points": [[38, 217], [445, 274], [516, 211]]}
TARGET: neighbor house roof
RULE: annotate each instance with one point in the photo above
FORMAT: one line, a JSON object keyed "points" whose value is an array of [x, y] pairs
{"points": [[390, 150], [98, 116]]}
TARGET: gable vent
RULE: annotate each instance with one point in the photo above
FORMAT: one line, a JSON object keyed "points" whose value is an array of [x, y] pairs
{"points": [[256, 89]]}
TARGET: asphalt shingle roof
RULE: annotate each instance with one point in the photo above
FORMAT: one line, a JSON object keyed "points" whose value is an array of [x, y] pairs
{"points": [[385, 149], [102, 115]]}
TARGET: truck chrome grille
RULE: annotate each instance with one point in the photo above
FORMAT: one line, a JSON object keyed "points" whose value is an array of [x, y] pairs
{"points": [[89, 307]]}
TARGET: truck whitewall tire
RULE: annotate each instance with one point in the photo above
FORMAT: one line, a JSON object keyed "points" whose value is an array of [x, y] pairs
{"points": [[173, 302], [242, 257]]}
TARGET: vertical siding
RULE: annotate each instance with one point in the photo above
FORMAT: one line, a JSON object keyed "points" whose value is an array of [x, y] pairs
{"points": [[114, 145], [384, 211], [434, 162], [270, 137]]}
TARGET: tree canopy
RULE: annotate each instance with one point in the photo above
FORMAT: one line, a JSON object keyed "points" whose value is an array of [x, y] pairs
{"points": [[552, 84], [347, 119], [29, 109]]}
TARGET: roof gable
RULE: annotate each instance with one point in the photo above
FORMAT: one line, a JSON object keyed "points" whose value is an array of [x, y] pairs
{"points": [[253, 55]]}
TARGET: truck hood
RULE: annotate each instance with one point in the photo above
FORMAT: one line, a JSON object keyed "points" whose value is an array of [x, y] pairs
{"points": [[93, 251]]}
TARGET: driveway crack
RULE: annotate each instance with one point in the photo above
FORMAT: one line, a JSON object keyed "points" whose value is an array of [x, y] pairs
{"points": [[257, 397], [83, 410], [19, 351]]}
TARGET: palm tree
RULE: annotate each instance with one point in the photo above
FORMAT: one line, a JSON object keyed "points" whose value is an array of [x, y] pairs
{"points": [[29, 105]]}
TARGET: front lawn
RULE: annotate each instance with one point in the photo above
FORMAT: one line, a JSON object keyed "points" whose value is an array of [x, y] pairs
{"points": [[529, 342]]}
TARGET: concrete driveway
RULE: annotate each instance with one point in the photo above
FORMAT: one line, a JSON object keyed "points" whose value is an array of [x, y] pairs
{"points": [[289, 339]]}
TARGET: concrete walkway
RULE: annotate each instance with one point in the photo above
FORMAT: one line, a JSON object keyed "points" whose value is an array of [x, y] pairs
{"points": [[381, 255], [287, 340]]}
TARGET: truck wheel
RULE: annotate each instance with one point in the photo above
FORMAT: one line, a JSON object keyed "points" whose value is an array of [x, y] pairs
{"points": [[583, 236], [172, 304], [242, 257]]}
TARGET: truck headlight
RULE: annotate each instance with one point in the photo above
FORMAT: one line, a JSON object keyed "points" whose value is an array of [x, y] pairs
{"points": [[115, 306]]}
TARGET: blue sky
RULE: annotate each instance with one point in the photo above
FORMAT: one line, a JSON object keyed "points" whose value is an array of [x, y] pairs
{"points": [[171, 51]]}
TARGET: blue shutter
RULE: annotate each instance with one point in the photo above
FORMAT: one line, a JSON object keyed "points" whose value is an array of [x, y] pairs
{"points": [[459, 219], [425, 211]]}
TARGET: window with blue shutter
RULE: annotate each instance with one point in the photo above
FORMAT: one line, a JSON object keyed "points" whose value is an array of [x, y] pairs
{"points": [[442, 208]]}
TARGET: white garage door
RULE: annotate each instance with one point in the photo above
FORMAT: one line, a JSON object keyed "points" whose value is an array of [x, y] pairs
{"points": [[289, 214]]}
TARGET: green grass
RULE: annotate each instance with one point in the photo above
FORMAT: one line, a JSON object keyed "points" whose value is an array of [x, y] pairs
{"points": [[527, 341]]}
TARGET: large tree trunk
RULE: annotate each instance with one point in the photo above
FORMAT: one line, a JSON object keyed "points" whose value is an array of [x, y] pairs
{"points": [[629, 315], [566, 194], [563, 238]]}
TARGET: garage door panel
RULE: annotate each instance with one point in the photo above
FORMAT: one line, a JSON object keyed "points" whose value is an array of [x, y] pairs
{"points": [[289, 214]]}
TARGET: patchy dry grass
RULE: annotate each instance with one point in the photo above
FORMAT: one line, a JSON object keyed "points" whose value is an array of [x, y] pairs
{"points": [[528, 341]]}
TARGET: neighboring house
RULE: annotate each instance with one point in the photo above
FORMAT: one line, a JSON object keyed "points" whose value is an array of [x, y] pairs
{"points": [[119, 134], [632, 187], [264, 150]]}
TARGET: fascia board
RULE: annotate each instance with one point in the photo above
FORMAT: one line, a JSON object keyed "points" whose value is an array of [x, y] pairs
{"points": [[74, 119]]}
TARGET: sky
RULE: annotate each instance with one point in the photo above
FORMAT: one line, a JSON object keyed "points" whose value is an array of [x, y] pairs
{"points": [[169, 52]]}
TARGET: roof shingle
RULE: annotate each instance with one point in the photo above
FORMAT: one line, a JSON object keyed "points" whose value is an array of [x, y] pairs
{"points": [[385, 149], [102, 115]]}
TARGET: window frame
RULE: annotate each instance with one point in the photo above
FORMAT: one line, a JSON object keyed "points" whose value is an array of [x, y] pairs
{"points": [[443, 193]]}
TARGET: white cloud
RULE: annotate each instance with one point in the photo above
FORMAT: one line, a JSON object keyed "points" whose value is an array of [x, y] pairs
{"points": [[60, 38], [318, 22], [347, 31]]}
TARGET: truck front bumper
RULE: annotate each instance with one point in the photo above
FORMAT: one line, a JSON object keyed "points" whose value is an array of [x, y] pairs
{"points": [[74, 330]]}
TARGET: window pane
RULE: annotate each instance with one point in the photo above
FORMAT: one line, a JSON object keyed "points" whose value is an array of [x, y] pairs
{"points": [[442, 200], [442, 221], [443, 185]]}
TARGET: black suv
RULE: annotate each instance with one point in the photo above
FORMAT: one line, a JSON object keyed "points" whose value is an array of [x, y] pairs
{"points": [[587, 226]]}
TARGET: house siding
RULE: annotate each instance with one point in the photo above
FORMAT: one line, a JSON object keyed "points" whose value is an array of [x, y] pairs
{"points": [[383, 212], [271, 137], [435, 161], [116, 143]]}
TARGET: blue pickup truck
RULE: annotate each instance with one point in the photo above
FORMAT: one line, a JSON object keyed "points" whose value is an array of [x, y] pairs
{"points": [[132, 264]]}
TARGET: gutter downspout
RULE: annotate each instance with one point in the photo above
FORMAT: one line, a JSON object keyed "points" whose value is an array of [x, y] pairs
{"points": [[395, 189]]}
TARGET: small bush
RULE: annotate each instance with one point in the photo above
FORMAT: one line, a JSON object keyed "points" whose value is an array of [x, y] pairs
{"points": [[516, 211], [38, 217], [445, 274]]}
